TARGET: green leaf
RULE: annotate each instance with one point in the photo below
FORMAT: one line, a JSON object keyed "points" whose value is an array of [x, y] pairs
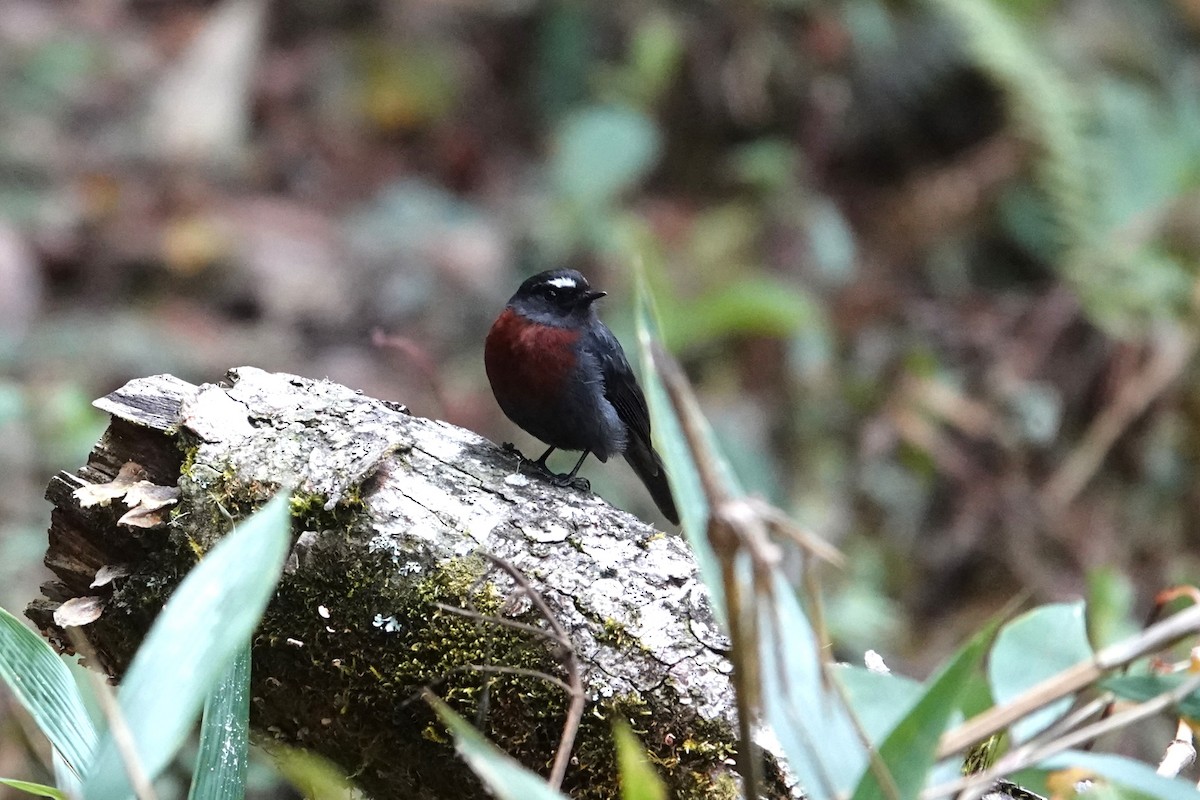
{"points": [[220, 770], [601, 151], [208, 618], [823, 750], [1124, 772], [766, 164], [1042, 104], [36, 789], [1031, 648], [755, 306], [562, 58], [1141, 688], [639, 781], [65, 778], [656, 50], [910, 749], [879, 699], [507, 779], [668, 433], [1110, 603], [42, 683], [311, 775]]}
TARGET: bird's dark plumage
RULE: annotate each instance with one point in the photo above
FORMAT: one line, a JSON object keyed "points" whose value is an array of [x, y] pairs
{"points": [[559, 373]]}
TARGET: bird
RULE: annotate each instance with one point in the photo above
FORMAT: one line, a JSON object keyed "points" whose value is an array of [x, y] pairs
{"points": [[560, 374]]}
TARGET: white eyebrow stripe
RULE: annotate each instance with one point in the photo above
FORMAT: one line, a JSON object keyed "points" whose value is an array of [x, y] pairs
{"points": [[564, 282]]}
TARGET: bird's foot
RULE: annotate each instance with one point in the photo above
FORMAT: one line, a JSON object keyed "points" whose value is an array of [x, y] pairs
{"points": [[578, 484]]}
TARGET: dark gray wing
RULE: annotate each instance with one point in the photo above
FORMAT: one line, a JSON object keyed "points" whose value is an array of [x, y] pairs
{"points": [[622, 390], [620, 385]]}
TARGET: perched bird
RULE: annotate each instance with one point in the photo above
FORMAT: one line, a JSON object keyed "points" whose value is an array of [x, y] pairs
{"points": [[560, 374]]}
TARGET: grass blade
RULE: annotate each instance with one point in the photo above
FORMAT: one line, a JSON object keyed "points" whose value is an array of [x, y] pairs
{"points": [[910, 750], [220, 771], [43, 684], [1125, 772], [639, 781], [777, 657], [208, 618], [506, 779], [35, 789]]}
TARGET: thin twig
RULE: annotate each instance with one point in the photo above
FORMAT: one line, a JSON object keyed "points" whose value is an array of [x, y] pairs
{"points": [[566, 742], [523, 671], [730, 529], [974, 786], [1070, 681], [106, 698], [420, 693], [507, 623], [1180, 753], [741, 529], [1074, 719], [780, 523]]}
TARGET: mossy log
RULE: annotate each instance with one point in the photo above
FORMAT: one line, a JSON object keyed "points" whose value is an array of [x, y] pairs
{"points": [[395, 520]]}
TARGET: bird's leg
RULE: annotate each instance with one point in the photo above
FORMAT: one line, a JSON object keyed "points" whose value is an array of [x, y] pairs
{"points": [[582, 484], [541, 462]]}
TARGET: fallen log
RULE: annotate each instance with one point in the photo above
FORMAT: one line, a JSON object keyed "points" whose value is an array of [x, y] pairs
{"points": [[412, 540]]}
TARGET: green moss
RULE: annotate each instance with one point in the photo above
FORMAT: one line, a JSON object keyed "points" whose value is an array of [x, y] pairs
{"points": [[382, 643], [190, 451], [309, 512], [354, 638], [695, 772], [613, 633]]}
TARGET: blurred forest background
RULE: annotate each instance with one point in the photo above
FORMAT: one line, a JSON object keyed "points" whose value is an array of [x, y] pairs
{"points": [[932, 265]]}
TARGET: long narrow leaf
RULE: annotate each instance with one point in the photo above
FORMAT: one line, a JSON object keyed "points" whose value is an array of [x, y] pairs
{"points": [[42, 683], [208, 618], [879, 699], [66, 779], [672, 444], [35, 789], [506, 779], [311, 775], [806, 714], [220, 771], [910, 749], [808, 717], [639, 781]]}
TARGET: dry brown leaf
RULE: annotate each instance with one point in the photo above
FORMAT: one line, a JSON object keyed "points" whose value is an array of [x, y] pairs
{"points": [[78, 611], [145, 499], [149, 496], [143, 518], [101, 494], [109, 573]]}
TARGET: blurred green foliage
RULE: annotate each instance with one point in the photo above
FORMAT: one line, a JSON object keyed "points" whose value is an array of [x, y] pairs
{"points": [[920, 257]]}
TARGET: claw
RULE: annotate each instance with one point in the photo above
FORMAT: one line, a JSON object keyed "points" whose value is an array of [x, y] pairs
{"points": [[578, 484]]}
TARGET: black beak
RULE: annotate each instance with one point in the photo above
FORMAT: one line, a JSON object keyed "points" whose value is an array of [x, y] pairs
{"points": [[587, 298]]}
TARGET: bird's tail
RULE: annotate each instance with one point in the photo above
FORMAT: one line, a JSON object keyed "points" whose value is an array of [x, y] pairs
{"points": [[649, 468]]}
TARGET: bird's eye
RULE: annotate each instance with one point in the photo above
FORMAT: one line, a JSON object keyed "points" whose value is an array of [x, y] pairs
{"points": [[551, 293]]}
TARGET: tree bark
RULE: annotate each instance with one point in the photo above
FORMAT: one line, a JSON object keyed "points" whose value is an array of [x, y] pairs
{"points": [[396, 520]]}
